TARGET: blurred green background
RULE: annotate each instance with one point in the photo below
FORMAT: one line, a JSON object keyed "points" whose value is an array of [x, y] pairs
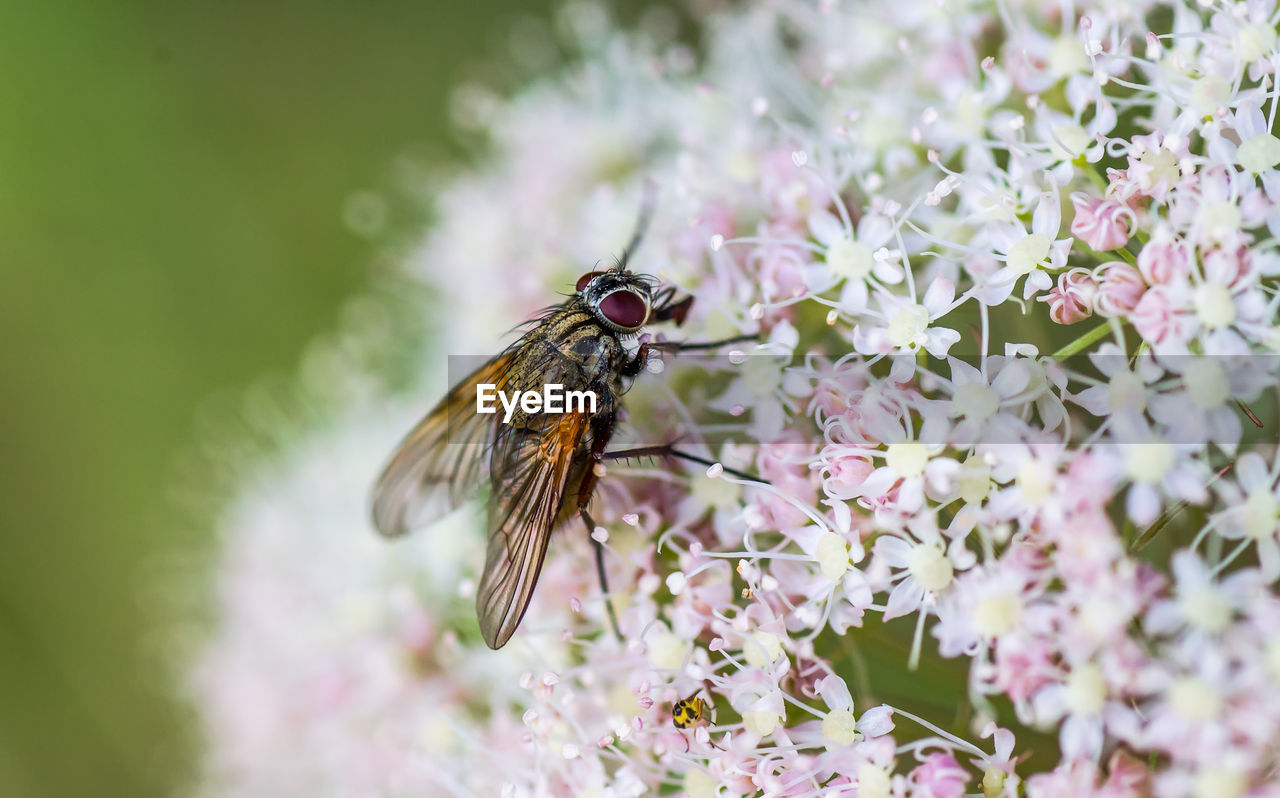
{"points": [[172, 184]]}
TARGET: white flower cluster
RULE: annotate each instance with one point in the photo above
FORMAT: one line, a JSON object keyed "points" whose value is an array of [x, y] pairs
{"points": [[909, 203]]}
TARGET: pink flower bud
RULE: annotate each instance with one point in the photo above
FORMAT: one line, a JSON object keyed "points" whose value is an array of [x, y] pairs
{"points": [[844, 474], [1129, 776], [1103, 224], [1072, 298], [1164, 260], [1023, 667], [1119, 290], [939, 776], [1155, 318]]}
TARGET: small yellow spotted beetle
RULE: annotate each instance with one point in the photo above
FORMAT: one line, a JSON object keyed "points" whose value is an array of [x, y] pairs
{"points": [[690, 712]]}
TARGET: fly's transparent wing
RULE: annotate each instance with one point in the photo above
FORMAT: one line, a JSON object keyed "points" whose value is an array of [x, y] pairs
{"points": [[532, 470], [444, 459]]}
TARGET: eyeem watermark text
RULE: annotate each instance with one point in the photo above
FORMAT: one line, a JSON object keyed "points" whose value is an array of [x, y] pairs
{"points": [[552, 399]]}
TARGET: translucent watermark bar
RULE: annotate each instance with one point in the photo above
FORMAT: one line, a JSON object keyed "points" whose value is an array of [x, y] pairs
{"points": [[734, 397]]}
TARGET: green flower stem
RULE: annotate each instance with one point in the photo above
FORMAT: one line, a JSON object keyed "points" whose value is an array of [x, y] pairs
{"points": [[1083, 342], [1096, 179], [1126, 255]]}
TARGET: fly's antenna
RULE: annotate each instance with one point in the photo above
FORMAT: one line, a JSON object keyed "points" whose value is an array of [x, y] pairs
{"points": [[647, 201]]}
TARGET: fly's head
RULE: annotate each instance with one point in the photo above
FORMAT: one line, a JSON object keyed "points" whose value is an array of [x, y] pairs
{"points": [[619, 299]]}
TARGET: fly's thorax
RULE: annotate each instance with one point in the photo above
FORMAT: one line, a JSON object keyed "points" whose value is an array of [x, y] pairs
{"points": [[569, 363], [598, 353], [590, 351]]}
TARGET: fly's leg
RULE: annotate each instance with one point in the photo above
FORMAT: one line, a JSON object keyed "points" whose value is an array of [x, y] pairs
{"points": [[600, 572], [601, 433], [667, 308], [637, 363], [669, 450], [684, 346], [634, 367]]}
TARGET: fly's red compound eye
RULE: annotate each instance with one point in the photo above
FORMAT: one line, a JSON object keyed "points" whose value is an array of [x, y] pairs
{"points": [[625, 309], [586, 278]]}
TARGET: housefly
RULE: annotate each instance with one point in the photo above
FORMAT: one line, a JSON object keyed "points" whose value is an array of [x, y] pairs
{"points": [[541, 467]]}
